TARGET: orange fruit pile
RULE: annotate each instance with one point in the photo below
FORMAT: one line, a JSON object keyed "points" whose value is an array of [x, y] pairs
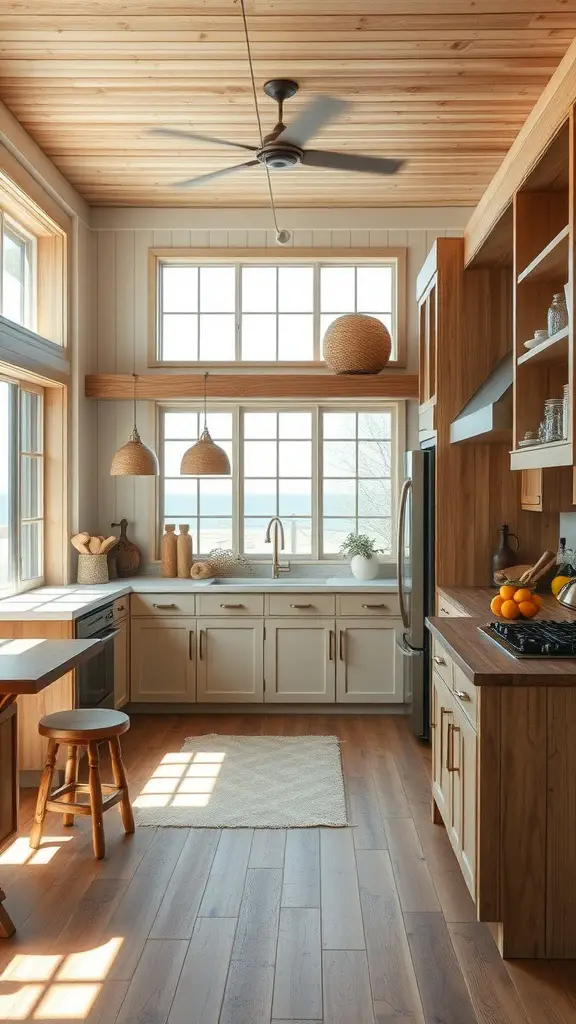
{"points": [[515, 603]]}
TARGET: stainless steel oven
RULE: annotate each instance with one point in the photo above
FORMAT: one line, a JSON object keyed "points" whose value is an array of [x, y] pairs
{"points": [[95, 679]]}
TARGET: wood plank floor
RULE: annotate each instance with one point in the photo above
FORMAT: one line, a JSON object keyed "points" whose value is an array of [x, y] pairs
{"points": [[365, 925]]}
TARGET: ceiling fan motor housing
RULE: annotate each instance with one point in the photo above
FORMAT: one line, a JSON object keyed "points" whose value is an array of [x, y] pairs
{"points": [[277, 156]]}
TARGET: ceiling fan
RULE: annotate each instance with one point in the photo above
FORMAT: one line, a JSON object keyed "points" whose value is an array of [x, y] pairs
{"points": [[283, 147]]}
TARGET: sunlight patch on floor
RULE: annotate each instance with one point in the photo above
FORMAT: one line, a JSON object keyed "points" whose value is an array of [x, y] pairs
{"points": [[182, 780], [19, 852]]}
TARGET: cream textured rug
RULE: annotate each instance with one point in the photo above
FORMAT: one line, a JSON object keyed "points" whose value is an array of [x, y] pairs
{"points": [[247, 782]]}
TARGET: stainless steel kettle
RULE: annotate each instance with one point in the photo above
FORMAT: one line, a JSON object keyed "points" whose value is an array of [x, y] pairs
{"points": [[567, 595]]}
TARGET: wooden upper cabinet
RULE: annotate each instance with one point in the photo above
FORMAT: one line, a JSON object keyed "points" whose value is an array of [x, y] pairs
{"points": [[427, 334]]}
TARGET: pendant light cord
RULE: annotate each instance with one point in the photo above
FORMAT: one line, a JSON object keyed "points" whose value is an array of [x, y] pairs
{"points": [[255, 96], [135, 381], [205, 388]]}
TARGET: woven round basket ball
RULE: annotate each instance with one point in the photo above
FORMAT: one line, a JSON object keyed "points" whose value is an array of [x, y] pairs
{"points": [[356, 343]]}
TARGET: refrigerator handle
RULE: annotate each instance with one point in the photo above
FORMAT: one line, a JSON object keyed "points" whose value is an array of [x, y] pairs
{"points": [[399, 550]]}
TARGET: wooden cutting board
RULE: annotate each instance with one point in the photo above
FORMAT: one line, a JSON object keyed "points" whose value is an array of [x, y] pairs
{"points": [[128, 555]]}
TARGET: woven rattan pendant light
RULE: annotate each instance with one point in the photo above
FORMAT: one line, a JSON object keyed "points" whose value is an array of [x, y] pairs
{"points": [[134, 458], [205, 458]]}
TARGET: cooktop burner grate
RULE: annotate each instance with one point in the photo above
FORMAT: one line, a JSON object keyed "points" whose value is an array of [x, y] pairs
{"points": [[544, 639]]}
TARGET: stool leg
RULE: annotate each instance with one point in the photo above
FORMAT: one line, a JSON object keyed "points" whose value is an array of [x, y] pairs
{"points": [[6, 923], [121, 782], [43, 794], [96, 801], [70, 777]]}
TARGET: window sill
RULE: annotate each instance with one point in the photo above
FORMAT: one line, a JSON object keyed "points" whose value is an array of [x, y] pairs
{"points": [[24, 349]]}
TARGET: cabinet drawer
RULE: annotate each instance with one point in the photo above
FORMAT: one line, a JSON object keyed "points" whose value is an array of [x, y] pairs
{"points": [[445, 607], [301, 604], [163, 604], [442, 663], [368, 604], [465, 692], [121, 607], [230, 604]]}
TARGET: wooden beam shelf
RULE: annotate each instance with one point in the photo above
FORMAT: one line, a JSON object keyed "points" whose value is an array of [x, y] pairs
{"points": [[552, 262], [167, 386], [548, 351]]}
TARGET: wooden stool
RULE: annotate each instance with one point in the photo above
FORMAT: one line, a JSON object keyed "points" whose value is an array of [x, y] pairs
{"points": [[84, 727]]}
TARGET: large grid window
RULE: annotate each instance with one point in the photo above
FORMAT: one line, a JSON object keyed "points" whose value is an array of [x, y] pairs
{"points": [[21, 487], [266, 313], [17, 251], [325, 471]]}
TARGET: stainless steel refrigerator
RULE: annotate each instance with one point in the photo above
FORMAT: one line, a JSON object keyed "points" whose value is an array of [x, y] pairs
{"points": [[415, 570]]}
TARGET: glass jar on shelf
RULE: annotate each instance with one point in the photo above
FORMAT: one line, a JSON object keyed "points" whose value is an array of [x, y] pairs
{"points": [[553, 419], [566, 409], [557, 314]]}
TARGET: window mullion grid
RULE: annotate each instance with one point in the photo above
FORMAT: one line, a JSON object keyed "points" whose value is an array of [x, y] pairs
{"points": [[316, 313], [277, 324], [15, 470], [316, 486], [159, 286], [238, 478], [356, 482], [238, 311], [198, 330]]}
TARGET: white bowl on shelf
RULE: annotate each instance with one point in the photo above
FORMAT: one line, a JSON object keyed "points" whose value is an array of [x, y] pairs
{"points": [[538, 339]]}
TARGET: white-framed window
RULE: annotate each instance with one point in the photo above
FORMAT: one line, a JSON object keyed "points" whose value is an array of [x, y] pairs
{"points": [[17, 273], [252, 310], [326, 469], [21, 486]]}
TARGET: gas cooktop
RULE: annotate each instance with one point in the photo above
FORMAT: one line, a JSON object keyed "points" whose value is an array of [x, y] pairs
{"points": [[544, 639]]}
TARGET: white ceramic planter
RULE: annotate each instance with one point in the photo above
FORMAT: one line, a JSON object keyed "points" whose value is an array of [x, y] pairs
{"points": [[364, 568]]}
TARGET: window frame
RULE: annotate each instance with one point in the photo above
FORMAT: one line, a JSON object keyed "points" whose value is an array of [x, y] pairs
{"points": [[19, 584], [267, 258], [317, 556], [9, 225]]}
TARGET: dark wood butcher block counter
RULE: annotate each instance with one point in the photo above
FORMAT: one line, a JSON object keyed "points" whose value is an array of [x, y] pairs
{"points": [[476, 601]]}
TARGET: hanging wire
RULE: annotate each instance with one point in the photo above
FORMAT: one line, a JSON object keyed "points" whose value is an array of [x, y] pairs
{"points": [[254, 93], [205, 387], [134, 381]]}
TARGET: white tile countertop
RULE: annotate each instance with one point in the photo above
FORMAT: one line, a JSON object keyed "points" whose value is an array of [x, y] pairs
{"points": [[73, 601]]}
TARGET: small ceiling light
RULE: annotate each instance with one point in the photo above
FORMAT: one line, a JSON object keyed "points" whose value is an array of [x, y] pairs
{"points": [[134, 458], [205, 458]]}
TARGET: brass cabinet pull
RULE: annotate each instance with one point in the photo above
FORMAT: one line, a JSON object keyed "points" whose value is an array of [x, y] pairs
{"points": [[164, 605], [331, 645], [232, 606], [462, 695], [201, 650], [301, 606], [445, 711], [341, 645], [369, 606], [450, 753], [439, 661], [190, 639]]}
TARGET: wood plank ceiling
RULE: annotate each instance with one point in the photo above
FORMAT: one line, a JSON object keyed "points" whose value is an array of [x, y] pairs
{"points": [[446, 84]]}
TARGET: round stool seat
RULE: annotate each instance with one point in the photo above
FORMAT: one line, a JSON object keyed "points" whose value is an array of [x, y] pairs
{"points": [[84, 725]]}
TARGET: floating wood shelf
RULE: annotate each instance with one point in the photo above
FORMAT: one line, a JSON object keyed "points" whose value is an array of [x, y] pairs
{"points": [[168, 386], [552, 262], [548, 351], [542, 456]]}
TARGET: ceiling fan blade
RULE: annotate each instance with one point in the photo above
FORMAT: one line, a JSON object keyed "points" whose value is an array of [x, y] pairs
{"points": [[173, 133], [192, 182], [351, 162], [312, 119]]}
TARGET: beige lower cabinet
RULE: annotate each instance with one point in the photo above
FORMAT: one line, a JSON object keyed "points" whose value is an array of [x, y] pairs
{"points": [[369, 663], [299, 660], [122, 664], [230, 660], [163, 660]]}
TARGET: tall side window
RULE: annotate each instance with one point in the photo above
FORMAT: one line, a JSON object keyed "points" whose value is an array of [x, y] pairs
{"points": [[17, 280], [21, 487]]}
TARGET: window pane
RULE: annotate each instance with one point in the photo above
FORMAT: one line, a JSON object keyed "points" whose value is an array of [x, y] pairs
{"points": [[30, 422], [339, 424], [337, 289], [260, 458], [260, 498], [335, 532], [374, 497], [173, 452], [30, 487], [217, 337], [295, 336], [374, 425], [259, 425], [14, 277], [339, 458], [259, 336], [374, 458], [295, 498], [31, 551], [181, 425], [339, 497], [295, 458], [6, 524], [215, 533], [295, 425], [215, 496], [325, 320], [380, 530], [254, 533], [258, 289], [296, 289], [180, 498], [179, 289], [219, 425], [180, 336], [217, 289], [298, 537], [374, 286]]}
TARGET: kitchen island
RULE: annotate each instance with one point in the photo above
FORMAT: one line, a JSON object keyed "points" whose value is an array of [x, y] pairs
{"points": [[504, 782]]}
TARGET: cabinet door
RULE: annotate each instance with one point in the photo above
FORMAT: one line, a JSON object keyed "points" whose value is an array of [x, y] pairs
{"points": [[299, 660], [442, 715], [163, 660], [370, 664], [230, 660], [121, 664], [463, 764], [531, 491]]}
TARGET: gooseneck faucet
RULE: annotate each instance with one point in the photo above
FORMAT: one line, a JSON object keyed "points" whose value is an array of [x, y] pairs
{"points": [[276, 522]]}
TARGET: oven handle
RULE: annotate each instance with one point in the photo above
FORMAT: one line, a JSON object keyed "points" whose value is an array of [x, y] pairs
{"points": [[105, 637]]}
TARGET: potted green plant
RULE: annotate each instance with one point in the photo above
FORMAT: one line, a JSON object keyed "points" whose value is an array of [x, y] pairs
{"points": [[363, 555]]}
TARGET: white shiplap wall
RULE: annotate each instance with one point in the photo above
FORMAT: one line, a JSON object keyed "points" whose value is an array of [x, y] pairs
{"points": [[122, 283]]}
